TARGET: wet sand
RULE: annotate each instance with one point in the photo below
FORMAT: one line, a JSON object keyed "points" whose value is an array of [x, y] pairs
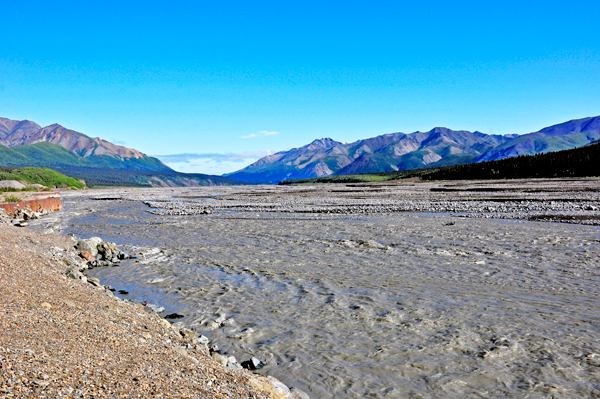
{"points": [[441, 290]]}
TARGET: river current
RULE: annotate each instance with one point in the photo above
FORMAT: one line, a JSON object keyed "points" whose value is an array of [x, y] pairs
{"points": [[399, 305]]}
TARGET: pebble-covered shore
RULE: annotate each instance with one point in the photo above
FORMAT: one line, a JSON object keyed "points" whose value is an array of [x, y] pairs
{"points": [[63, 335]]}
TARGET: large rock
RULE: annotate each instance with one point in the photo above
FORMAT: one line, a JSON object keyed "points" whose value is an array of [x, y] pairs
{"points": [[298, 394], [90, 245], [11, 184], [275, 388], [108, 250]]}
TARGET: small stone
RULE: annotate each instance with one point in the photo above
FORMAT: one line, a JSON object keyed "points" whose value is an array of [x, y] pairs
{"points": [[69, 304], [187, 333], [74, 274], [94, 281], [174, 316], [202, 340], [234, 366], [219, 359], [154, 308], [253, 364], [46, 305], [181, 351]]}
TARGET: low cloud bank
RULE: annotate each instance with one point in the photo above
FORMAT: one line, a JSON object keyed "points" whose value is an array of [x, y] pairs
{"points": [[228, 157]]}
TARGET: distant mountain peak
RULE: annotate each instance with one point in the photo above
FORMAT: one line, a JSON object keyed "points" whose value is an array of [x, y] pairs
{"points": [[324, 143], [18, 133], [15, 133], [439, 146]]}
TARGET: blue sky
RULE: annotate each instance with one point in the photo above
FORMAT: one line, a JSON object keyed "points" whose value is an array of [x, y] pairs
{"points": [[216, 85]]}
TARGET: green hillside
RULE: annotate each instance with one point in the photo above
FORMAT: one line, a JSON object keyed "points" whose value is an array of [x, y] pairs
{"points": [[54, 156], [40, 154], [43, 176]]}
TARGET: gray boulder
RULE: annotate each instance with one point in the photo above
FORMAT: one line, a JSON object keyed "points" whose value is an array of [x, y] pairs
{"points": [[90, 245]]}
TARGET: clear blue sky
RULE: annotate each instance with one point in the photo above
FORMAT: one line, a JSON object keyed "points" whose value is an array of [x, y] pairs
{"points": [[225, 82]]}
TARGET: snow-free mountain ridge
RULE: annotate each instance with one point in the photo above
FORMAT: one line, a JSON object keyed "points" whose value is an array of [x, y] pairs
{"points": [[98, 162], [14, 133], [400, 151]]}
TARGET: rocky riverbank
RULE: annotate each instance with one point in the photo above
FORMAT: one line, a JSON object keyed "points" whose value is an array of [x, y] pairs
{"points": [[64, 335]]}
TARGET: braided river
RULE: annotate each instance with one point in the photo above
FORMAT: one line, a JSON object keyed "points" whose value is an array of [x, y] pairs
{"points": [[387, 305]]}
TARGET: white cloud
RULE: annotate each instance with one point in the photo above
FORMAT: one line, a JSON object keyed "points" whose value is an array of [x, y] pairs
{"points": [[213, 164], [262, 133]]}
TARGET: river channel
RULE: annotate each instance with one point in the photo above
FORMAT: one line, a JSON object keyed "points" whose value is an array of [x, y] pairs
{"points": [[390, 305]]}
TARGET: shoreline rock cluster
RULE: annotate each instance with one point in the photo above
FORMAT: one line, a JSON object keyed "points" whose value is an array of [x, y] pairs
{"points": [[20, 217]]}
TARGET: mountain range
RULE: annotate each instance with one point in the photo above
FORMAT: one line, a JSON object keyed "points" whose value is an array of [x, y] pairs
{"points": [[97, 161], [400, 151], [84, 150]]}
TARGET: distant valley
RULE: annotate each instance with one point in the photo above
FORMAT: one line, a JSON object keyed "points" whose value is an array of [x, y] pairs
{"points": [[400, 151]]}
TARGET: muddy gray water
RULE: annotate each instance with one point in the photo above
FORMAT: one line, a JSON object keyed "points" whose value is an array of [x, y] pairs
{"points": [[388, 305]]}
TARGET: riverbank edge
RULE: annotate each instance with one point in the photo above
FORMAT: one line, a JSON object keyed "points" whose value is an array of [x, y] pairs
{"points": [[185, 342]]}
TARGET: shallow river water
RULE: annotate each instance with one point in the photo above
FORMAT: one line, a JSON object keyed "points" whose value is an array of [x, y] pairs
{"points": [[401, 305]]}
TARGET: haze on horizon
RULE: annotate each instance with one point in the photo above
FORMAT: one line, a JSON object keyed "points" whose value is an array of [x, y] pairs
{"points": [[217, 86]]}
